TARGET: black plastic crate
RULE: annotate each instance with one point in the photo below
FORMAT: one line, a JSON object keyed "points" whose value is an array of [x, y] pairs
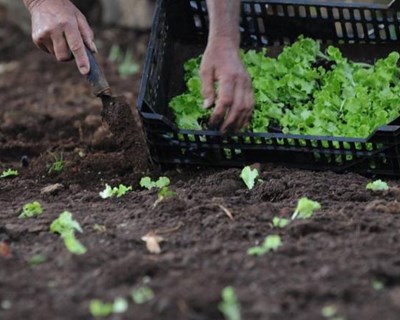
{"points": [[179, 32]]}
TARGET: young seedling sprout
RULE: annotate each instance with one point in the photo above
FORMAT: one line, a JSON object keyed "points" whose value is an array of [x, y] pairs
{"points": [[118, 192], [305, 208], [378, 185], [58, 165], [161, 184], [65, 226], [271, 243], [249, 176], [32, 209], [142, 295], [280, 222], [9, 173], [230, 306], [99, 308]]}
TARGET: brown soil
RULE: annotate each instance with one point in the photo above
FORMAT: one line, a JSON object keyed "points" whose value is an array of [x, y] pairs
{"points": [[46, 110]]}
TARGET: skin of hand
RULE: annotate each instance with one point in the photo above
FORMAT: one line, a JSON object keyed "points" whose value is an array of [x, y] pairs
{"points": [[59, 28], [221, 63]]}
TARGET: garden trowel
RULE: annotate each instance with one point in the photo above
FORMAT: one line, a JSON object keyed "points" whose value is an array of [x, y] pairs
{"points": [[116, 111]]}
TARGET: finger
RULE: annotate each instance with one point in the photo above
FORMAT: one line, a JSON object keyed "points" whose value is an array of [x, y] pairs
{"points": [[237, 113], [61, 49], [77, 47], [224, 101], [86, 32], [207, 87]]}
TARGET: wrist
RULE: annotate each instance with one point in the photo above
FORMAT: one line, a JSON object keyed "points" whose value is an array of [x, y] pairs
{"points": [[228, 42], [31, 4]]}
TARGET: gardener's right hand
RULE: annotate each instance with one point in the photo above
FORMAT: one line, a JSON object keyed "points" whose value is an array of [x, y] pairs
{"points": [[59, 28]]}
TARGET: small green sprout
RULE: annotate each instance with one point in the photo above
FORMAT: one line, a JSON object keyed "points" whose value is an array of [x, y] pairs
{"points": [[378, 185], [31, 210], [99, 308], [118, 192], [271, 243], [377, 285], [330, 312], [162, 184], [142, 294], [305, 208], [280, 222], [9, 173], [230, 306], [249, 176], [65, 226], [127, 66], [58, 165], [149, 184], [37, 259]]}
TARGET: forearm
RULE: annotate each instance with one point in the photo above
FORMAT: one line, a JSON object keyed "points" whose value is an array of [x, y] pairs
{"points": [[224, 20]]}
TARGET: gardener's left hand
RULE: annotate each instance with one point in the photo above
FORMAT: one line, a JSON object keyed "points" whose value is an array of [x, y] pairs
{"points": [[234, 104]]}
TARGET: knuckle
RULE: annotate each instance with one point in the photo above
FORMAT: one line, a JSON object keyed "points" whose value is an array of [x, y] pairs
{"points": [[75, 46], [225, 101]]}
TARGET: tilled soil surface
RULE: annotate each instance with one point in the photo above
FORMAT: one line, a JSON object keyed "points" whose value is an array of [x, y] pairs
{"points": [[333, 259]]}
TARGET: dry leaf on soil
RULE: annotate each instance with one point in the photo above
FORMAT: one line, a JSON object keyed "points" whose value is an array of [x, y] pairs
{"points": [[153, 242]]}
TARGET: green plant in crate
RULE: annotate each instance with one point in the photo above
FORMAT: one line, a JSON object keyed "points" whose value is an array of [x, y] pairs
{"points": [[307, 91], [9, 173], [32, 209], [271, 243]]}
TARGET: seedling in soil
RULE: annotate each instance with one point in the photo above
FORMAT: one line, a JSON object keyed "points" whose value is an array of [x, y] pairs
{"points": [[378, 185], [65, 226], [99, 308], [162, 184], [118, 192], [37, 259], [249, 176], [142, 295], [9, 173], [305, 208], [377, 285], [280, 222], [271, 243], [31, 210], [330, 312], [127, 66], [58, 165], [230, 306]]}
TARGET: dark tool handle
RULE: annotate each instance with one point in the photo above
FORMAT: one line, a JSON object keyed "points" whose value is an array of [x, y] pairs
{"points": [[96, 77]]}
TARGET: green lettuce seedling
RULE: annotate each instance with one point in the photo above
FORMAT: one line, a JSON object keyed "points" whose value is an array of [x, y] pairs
{"points": [[58, 165], [99, 308], [65, 226], [271, 243], [305, 208], [9, 173], [142, 295], [31, 210], [378, 185], [118, 192], [280, 222], [162, 184], [230, 306], [249, 176], [37, 259], [149, 184], [377, 285]]}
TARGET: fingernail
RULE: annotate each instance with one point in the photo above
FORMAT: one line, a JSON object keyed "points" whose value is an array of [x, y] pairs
{"points": [[94, 48], [207, 103], [84, 69]]}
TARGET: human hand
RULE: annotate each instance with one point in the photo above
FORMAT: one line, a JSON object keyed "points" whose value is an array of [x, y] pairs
{"points": [[234, 105], [59, 28]]}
